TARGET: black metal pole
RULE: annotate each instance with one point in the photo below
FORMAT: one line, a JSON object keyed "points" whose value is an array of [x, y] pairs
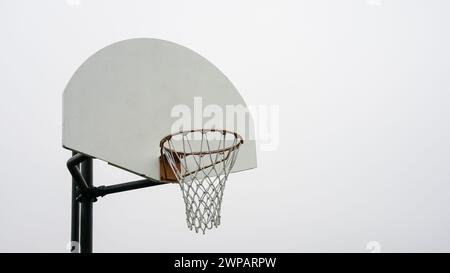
{"points": [[86, 210], [75, 219], [74, 169], [139, 184], [83, 191]]}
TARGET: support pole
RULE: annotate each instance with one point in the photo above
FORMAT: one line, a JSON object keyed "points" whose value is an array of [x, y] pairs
{"points": [[83, 191], [73, 166], [86, 210], [75, 218], [139, 184]]}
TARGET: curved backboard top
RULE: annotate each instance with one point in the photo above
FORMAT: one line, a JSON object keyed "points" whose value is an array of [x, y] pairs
{"points": [[126, 97]]}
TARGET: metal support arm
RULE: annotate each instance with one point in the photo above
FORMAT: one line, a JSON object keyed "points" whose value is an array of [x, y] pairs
{"points": [[139, 184], [91, 192], [72, 165]]}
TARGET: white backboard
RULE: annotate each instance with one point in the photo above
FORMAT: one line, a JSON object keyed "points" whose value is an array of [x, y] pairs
{"points": [[126, 97]]}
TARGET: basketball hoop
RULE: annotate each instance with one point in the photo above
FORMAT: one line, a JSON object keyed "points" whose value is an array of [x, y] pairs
{"points": [[200, 160]]}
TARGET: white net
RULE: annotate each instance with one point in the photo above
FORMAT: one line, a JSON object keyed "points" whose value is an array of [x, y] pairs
{"points": [[201, 161]]}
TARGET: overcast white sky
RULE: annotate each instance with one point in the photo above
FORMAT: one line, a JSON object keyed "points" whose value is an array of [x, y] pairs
{"points": [[363, 92]]}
